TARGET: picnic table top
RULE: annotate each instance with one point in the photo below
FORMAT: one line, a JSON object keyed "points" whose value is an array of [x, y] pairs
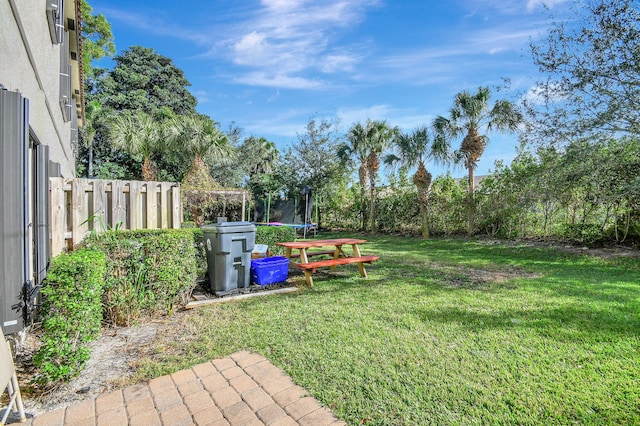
{"points": [[320, 243]]}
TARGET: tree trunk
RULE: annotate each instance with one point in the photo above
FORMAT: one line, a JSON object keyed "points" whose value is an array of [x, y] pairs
{"points": [[362, 174], [373, 165], [471, 203], [90, 167], [148, 170]]}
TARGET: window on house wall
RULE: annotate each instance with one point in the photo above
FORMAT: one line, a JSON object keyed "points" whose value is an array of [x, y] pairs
{"points": [[55, 16], [65, 79]]}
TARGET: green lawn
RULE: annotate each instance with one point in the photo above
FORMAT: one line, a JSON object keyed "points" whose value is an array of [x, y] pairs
{"points": [[444, 332]]}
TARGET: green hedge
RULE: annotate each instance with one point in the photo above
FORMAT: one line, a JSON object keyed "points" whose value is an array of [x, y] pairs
{"points": [[271, 235], [148, 271], [71, 314]]}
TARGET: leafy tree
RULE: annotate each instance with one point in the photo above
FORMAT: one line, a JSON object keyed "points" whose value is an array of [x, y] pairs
{"points": [[143, 80], [312, 160], [413, 150], [472, 113], [139, 135], [97, 38], [592, 65], [357, 150]]}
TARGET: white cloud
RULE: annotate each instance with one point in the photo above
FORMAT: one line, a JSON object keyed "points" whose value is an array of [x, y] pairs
{"points": [[280, 4], [291, 37], [406, 120], [540, 95], [338, 63], [277, 80]]}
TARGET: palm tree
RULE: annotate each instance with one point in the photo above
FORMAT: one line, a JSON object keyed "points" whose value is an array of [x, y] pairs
{"points": [[138, 134], [414, 150], [470, 114], [379, 136], [198, 137], [260, 155], [358, 148]]}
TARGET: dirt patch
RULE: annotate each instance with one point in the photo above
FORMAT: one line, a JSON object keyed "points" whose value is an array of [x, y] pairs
{"points": [[113, 357], [483, 280], [611, 251]]}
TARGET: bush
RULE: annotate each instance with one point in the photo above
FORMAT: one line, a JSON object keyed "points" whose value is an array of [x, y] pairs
{"points": [[71, 314], [271, 235], [583, 233], [148, 271]]}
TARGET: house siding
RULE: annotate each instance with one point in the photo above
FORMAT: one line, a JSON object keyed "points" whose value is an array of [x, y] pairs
{"points": [[31, 66], [30, 74]]}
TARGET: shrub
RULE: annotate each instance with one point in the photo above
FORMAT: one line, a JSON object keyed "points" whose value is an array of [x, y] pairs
{"points": [[583, 233], [148, 271], [71, 314], [271, 235]]}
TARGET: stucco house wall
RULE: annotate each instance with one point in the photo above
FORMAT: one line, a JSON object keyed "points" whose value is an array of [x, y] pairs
{"points": [[30, 64], [41, 110]]}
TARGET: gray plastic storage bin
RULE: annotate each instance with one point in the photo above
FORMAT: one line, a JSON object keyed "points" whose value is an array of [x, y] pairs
{"points": [[229, 246]]}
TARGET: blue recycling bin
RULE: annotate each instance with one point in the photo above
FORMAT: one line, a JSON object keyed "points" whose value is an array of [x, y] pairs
{"points": [[269, 270]]}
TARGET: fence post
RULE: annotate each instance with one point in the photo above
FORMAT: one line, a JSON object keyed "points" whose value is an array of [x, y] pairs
{"points": [[58, 216], [79, 211], [118, 204], [135, 205], [100, 204], [176, 220], [152, 206]]}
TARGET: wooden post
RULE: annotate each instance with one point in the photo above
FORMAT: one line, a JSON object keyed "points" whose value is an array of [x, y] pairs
{"points": [[243, 205], [118, 205], [152, 206], [58, 217], [176, 219], [165, 211], [135, 205], [100, 205], [79, 211]]}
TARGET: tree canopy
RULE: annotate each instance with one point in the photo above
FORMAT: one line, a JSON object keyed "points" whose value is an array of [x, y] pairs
{"points": [[97, 38], [142, 79], [592, 68]]}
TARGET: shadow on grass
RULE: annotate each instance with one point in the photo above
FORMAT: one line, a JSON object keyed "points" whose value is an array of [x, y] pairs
{"points": [[567, 323]]}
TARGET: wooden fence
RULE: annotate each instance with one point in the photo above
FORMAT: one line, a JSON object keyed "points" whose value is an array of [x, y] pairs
{"points": [[79, 206]]}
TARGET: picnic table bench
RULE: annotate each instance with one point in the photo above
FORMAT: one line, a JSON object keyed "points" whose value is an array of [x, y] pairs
{"points": [[339, 256]]}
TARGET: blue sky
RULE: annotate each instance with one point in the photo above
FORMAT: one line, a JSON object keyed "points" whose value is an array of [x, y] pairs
{"points": [[270, 65]]}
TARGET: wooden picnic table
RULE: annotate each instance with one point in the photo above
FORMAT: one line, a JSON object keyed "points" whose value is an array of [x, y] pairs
{"points": [[339, 256]]}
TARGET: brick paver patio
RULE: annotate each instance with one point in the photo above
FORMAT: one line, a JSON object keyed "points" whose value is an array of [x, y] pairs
{"points": [[244, 389]]}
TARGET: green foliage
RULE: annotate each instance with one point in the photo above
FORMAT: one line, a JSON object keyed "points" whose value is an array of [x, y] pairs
{"points": [[71, 314], [591, 59], [271, 235], [447, 206], [398, 210], [144, 80], [148, 272], [583, 233], [97, 38]]}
